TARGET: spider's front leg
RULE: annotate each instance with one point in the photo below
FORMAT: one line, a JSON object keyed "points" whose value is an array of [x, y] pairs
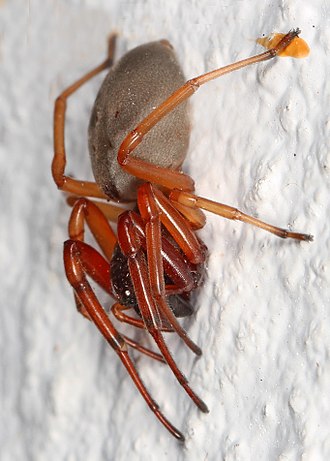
{"points": [[143, 277], [84, 212], [82, 261]]}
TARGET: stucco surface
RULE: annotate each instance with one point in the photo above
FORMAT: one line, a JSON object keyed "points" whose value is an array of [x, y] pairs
{"points": [[260, 141]]}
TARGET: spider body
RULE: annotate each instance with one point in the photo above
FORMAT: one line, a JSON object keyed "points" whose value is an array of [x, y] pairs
{"points": [[138, 83], [138, 139]]}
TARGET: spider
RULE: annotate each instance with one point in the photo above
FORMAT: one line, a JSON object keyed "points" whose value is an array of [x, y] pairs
{"points": [[138, 139]]}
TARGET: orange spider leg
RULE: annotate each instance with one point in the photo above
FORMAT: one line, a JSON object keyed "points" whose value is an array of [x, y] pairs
{"points": [[178, 227], [194, 216], [110, 211], [63, 182], [130, 244], [118, 312], [85, 210], [175, 266], [163, 176], [178, 269], [144, 350], [153, 241], [193, 201], [80, 260]]}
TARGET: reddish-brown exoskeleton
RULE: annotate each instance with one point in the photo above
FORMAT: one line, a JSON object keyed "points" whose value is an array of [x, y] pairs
{"points": [[138, 139]]}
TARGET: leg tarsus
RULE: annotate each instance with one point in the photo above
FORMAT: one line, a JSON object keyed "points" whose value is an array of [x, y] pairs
{"points": [[112, 41], [158, 337], [226, 211], [151, 403]]}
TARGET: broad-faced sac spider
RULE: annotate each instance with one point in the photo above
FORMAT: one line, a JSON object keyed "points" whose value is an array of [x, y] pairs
{"points": [[138, 138]]}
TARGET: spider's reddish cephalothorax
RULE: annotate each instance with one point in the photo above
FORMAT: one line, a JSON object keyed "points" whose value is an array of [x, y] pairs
{"points": [[138, 139]]}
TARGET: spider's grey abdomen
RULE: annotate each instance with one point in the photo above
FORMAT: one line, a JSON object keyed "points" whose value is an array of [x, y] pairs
{"points": [[137, 84]]}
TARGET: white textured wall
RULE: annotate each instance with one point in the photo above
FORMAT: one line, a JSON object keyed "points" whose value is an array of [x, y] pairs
{"points": [[260, 141]]}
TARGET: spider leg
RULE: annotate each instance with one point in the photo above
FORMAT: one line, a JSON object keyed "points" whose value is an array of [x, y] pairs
{"points": [[117, 310], [155, 265], [62, 181], [190, 200], [144, 350], [110, 211], [85, 210], [80, 260], [175, 266], [98, 268], [174, 222], [165, 177], [130, 243], [194, 216]]}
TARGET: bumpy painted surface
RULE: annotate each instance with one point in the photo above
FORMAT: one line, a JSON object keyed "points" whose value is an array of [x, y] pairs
{"points": [[260, 141]]}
